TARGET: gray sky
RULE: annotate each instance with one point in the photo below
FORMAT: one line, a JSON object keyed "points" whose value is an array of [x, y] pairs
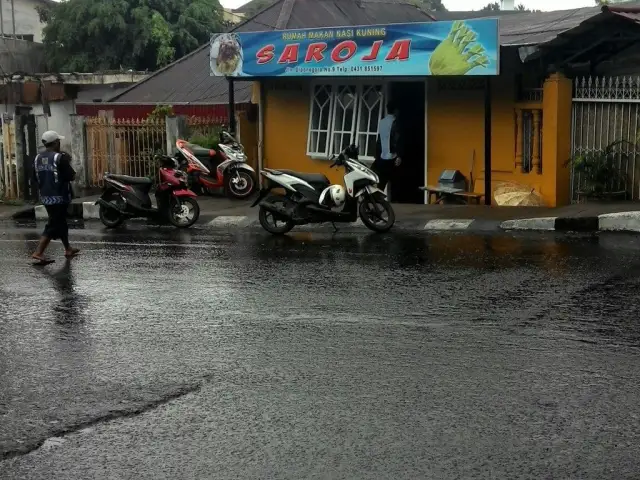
{"points": [[478, 4]]}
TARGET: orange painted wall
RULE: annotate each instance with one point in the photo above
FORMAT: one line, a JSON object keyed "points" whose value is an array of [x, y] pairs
{"points": [[455, 130], [286, 121]]}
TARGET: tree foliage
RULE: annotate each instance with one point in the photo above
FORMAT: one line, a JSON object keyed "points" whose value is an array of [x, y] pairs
{"points": [[491, 7], [522, 8], [431, 5], [495, 7], [98, 35]]}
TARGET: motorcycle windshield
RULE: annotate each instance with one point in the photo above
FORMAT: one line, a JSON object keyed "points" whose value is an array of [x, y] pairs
{"points": [[185, 148]]}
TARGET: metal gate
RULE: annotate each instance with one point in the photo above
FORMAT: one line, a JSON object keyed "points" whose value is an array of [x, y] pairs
{"points": [[123, 146], [19, 149], [9, 181], [605, 110]]}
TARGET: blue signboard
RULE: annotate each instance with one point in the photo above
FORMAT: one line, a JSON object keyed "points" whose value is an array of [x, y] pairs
{"points": [[469, 47]]}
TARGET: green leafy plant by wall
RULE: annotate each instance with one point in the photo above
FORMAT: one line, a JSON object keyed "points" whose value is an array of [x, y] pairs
{"points": [[208, 139], [603, 172], [160, 112]]}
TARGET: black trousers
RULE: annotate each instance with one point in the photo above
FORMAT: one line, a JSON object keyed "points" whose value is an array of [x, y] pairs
{"points": [[57, 227], [385, 170]]}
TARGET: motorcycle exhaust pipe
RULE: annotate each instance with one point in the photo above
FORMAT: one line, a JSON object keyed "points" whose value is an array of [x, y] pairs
{"points": [[275, 209], [104, 203]]}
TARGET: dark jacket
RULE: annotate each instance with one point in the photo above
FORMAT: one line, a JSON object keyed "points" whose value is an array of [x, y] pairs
{"points": [[395, 144], [53, 174]]}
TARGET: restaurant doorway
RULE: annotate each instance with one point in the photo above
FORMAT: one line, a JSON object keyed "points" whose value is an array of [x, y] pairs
{"points": [[410, 98]]}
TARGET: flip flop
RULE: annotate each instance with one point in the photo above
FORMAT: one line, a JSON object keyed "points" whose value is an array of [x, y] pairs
{"points": [[74, 252], [42, 263]]}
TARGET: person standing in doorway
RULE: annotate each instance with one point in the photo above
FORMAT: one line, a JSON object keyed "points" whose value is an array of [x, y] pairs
{"points": [[388, 147], [53, 175]]}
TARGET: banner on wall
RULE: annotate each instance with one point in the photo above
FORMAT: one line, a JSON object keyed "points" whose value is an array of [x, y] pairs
{"points": [[469, 47]]}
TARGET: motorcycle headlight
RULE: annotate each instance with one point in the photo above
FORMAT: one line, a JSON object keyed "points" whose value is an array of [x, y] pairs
{"points": [[180, 175]]}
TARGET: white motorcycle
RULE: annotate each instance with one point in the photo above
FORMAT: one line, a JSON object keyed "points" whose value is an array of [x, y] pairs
{"points": [[310, 198]]}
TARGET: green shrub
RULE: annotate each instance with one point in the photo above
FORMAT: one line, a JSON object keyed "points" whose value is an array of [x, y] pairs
{"points": [[602, 171], [206, 141]]}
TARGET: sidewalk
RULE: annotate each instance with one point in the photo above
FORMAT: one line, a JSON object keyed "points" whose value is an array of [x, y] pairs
{"points": [[224, 212]]}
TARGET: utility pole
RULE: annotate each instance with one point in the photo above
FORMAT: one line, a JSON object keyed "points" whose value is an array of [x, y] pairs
{"points": [[13, 18], [1, 18]]}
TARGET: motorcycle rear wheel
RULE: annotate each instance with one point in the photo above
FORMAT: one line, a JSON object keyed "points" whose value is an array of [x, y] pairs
{"points": [[108, 216], [270, 223], [183, 212]]}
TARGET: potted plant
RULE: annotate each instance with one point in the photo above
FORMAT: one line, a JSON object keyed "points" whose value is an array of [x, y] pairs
{"points": [[601, 174]]}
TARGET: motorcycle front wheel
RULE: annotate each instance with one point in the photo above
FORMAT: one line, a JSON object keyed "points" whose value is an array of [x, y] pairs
{"points": [[183, 212], [377, 213], [239, 184]]}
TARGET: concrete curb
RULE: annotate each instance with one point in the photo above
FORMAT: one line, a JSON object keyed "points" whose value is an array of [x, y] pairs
{"points": [[609, 222]]}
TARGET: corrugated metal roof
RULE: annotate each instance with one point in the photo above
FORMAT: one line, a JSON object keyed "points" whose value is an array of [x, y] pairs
{"points": [[335, 13], [188, 80], [628, 12], [466, 15], [248, 6], [540, 27]]}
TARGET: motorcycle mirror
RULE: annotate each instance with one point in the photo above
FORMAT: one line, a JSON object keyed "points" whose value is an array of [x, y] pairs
{"points": [[352, 151]]}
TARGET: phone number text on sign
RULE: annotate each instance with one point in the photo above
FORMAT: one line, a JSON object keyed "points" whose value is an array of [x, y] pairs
{"points": [[334, 69]]}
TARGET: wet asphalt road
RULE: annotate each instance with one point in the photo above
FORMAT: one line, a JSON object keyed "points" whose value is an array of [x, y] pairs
{"points": [[161, 354]]}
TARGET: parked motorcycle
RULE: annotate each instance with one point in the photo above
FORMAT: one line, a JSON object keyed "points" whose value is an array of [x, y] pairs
{"points": [[127, 197], [210, 169], [309, 198]]}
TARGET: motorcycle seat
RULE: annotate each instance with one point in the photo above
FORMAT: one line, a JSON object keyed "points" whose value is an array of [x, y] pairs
{"points": [[311, 178], [126, 179]]}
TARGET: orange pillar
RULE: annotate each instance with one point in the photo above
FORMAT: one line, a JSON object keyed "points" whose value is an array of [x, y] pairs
{"points": [[556, 138]]}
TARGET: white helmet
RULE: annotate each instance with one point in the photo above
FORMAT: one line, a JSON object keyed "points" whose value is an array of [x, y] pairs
{"points": [[333, 196]]}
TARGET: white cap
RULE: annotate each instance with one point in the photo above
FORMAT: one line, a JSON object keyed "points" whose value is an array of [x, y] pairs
{"points": [[50, 136]]}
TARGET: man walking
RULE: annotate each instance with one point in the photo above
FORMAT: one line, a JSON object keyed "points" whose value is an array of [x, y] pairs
{"points": [[53, 174], [388, 154]]}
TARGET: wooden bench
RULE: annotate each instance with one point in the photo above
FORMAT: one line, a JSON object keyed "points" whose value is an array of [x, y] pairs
{"points": [[457, 195]]}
